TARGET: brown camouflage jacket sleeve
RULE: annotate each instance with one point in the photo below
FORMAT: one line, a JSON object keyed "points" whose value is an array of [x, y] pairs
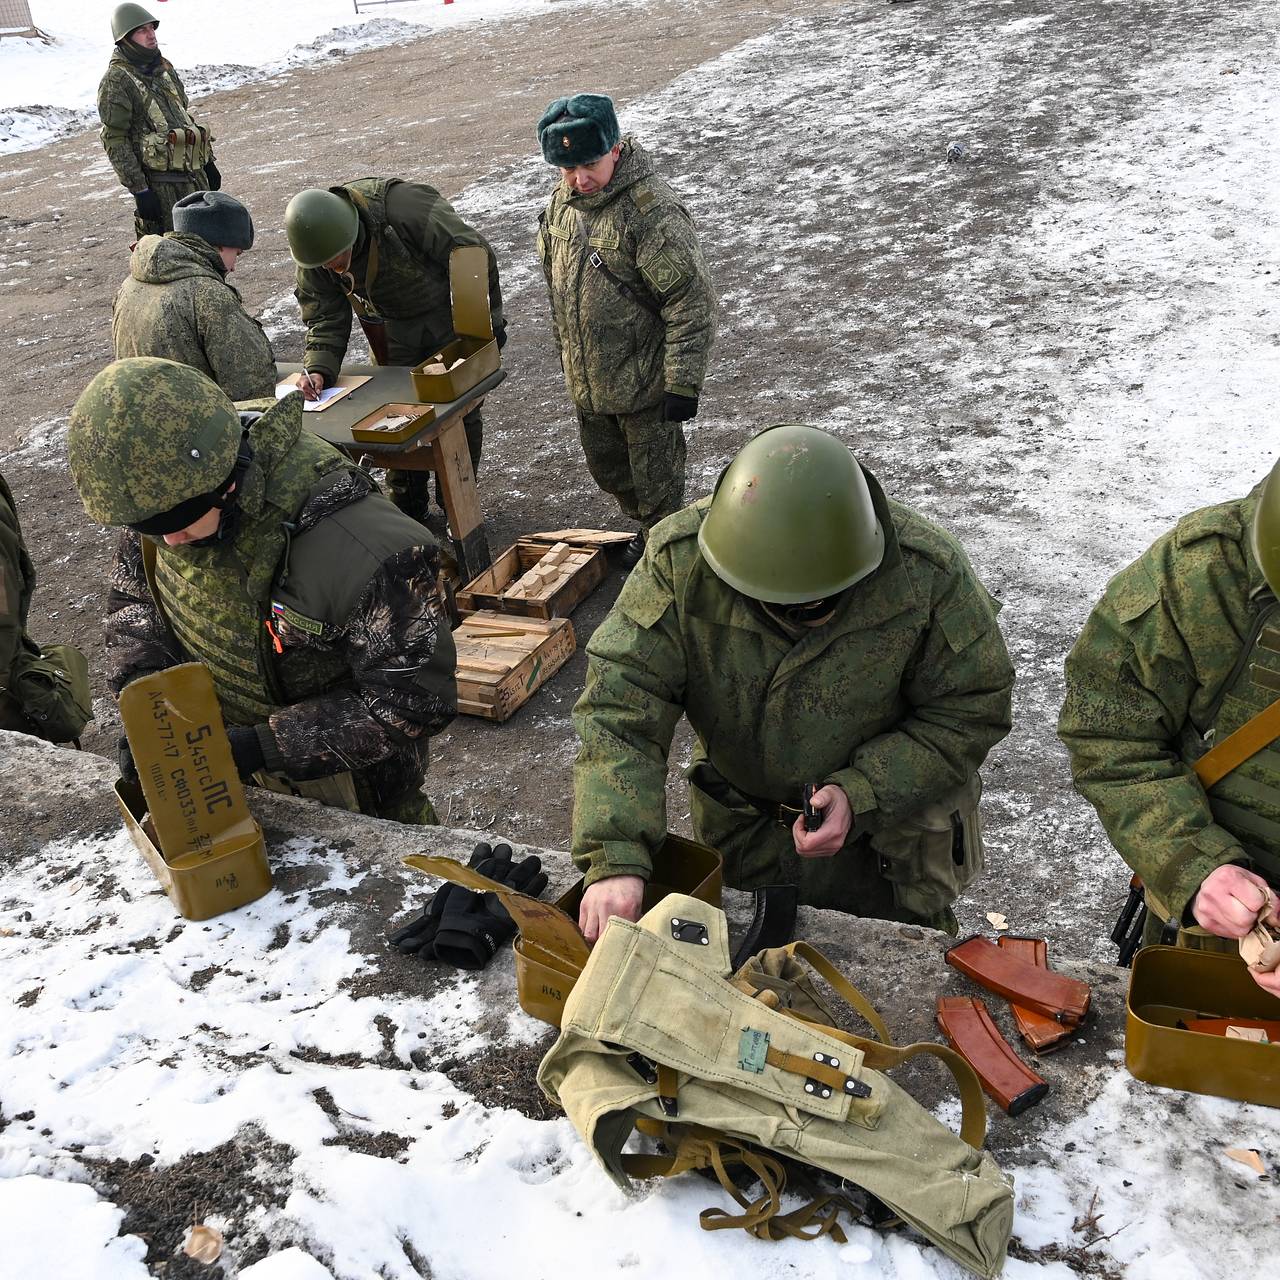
{"points": [[137, 640], [117, 102], [400, 649]]}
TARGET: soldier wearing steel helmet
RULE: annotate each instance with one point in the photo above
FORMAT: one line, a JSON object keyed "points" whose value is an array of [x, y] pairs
{"points": [[813, 631], [1181, 652], [160, 152], [179, 304], [633, 309], [254, 547], [379, 247]]}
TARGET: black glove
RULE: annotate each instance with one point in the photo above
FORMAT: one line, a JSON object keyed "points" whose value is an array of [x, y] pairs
{"points": [[212, 176], [148, 206], [124, 759], [501, 337], [472, 931], [418, 937], [678, 408], [246, 750]]}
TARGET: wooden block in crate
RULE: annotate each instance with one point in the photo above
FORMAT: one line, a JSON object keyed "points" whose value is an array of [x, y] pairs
{"points": [[504, 659], [515, 567]]}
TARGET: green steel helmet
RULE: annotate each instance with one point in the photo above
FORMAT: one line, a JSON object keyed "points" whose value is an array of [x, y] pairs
{"points": [[792, 518], [148, 436], [320, 225], [127, 19], [1266, 529]]}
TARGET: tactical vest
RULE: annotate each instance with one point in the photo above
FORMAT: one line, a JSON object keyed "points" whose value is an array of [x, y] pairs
{"points": [[1247, 801], [393, 284], [218, 602], [175, 142]]}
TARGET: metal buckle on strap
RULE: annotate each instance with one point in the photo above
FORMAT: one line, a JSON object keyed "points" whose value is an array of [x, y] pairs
{"points": [[596, 260], [787, 814]]}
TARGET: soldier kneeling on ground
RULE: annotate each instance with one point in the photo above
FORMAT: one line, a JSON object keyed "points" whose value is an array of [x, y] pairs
{"points": [[44, 690], [1179, 654], [256, 548], [813, 631], [178, 304]]}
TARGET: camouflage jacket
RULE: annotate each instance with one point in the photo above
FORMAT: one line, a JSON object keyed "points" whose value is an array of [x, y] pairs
{"points": [[137, 83], [1145, 681], [17, 582], [897, 699], [178, 304], [394, 644], [399, 269], [619, 354]]}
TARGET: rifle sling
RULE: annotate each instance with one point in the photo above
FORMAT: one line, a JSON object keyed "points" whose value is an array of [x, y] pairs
{"points": [[1250, 738], [594, 258]]}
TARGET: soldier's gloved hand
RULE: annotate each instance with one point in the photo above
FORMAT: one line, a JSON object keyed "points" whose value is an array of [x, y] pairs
{"points": [[212, 176], [472, 931], [124, 758], [677, 408], [418, 937], [246, 750], [148, 205]]}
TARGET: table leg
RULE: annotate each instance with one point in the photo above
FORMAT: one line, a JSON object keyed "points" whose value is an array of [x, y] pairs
{"points": [[461, 502]]}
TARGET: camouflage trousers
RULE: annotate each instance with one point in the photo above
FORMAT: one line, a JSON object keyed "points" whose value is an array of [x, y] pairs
{"points": [[168, 191], [410, 342], [638, 458]]}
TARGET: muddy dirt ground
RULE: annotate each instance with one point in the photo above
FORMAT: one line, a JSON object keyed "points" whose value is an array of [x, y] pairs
{"points": [[866, 284]]}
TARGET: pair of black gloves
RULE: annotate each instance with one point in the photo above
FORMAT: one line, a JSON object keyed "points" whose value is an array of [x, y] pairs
{"points": [[148, 203], [463, 928]]}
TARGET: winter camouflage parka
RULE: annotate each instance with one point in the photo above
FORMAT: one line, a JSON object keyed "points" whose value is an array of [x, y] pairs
{"points": [[620, 354], [1168, 664], [897, 699], [178, 304]]}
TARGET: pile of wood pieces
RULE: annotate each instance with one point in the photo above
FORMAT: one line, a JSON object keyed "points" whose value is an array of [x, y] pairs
{"points": [[552, 571], [504, 659]]}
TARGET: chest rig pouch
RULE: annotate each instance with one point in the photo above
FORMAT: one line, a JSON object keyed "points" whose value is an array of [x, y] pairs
{"points": [[743, 1071]]}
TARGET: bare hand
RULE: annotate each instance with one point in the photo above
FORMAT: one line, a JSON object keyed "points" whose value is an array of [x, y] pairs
{"points": [[837, 818], [1269, 982], [311, 385], [1231, 900], [613, 896]]}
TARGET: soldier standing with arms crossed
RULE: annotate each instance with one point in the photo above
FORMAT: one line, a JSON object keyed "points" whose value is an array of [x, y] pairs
{"points": [[632, 306], [157, 149]]}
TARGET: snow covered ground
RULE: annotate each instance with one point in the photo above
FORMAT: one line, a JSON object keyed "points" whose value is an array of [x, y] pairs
{"points": [[47, 90]]}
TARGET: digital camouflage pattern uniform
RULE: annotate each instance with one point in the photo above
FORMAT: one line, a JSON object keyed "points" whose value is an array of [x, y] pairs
{"points": [[355, 671], [897, 699], [400, 270], [140, 100], [178, 304], [618, 356], [1163, 669]]}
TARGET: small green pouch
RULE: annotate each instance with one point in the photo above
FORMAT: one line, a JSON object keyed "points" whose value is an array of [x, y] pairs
{"points": [[52, 688]]}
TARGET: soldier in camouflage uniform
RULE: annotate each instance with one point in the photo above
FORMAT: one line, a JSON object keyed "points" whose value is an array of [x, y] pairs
{"points": [[179, 305], [380, 247], [157, 149], [36, 694], [813, 632], [261, 551], [632, 305], [1178, 654]]}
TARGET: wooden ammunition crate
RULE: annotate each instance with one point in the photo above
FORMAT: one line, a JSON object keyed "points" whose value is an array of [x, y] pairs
{"points": [[554, 600], [503, 659]]}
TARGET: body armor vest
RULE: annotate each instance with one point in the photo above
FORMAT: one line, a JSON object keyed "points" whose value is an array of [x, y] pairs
{"points": [[217, 598], [1247, 801]]}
